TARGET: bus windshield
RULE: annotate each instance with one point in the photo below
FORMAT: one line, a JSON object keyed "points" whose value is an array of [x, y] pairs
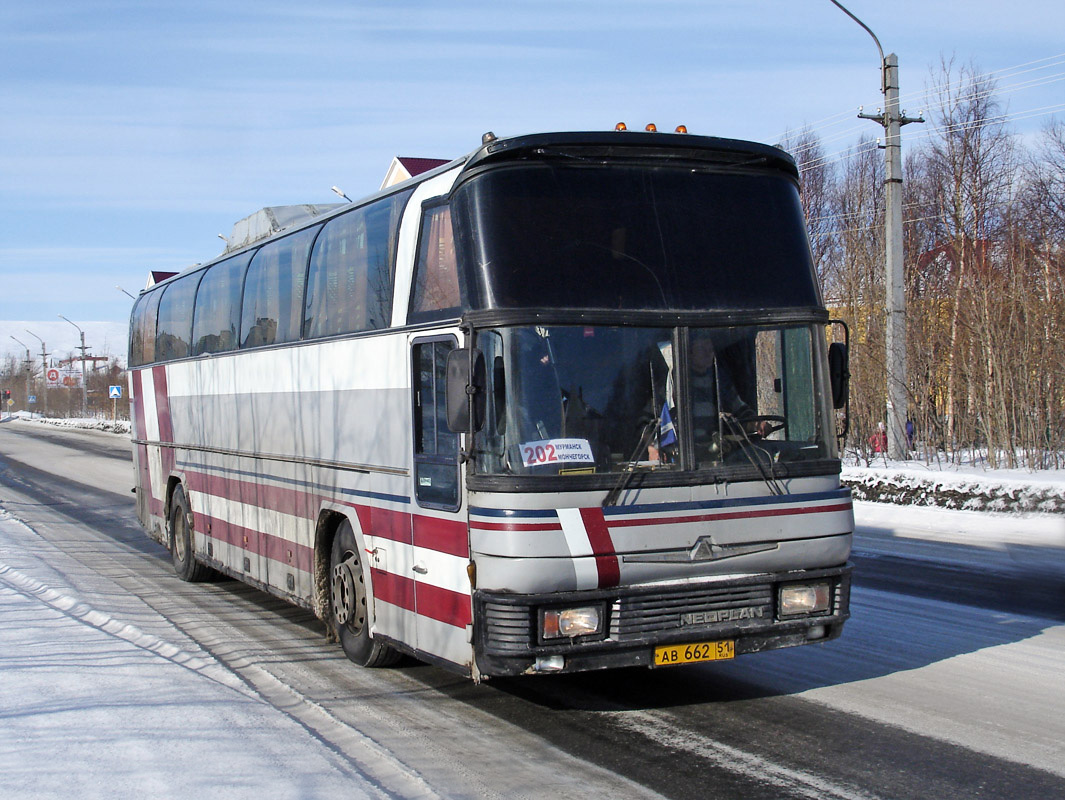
{"points": [[580, 400], [564, 235]]}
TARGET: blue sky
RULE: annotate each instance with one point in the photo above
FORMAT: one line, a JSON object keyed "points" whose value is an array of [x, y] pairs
{"points": [[132, 133]]}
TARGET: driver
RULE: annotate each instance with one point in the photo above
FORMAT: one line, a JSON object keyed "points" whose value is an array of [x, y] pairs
{"points": [[712, 390]]}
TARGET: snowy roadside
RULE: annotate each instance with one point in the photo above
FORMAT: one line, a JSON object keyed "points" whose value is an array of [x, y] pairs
{"points": [[92, 706], [82, 423], [966, 488]]}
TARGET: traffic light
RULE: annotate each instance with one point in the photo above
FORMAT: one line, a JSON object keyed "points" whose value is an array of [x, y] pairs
{"points": [[7, 395]]}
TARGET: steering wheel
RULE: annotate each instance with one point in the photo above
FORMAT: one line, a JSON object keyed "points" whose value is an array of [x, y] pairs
{"points": [[764, 424]]}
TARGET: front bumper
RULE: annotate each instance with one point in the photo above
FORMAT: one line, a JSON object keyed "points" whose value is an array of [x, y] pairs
{"points": [[640, 618]]}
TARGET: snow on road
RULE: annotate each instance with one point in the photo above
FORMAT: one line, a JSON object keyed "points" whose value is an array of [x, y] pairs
{"points": [[91, 706]]}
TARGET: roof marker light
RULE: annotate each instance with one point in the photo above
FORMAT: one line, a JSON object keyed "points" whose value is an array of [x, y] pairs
{"points": [[621, 126], [651, 128], [681, 129]]}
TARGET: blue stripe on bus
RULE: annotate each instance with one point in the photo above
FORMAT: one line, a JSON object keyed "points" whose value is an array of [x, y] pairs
{"points": [[652, 508], [392, 498]]}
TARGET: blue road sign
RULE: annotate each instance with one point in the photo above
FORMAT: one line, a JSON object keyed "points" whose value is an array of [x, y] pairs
{"points": [[114, 392]]}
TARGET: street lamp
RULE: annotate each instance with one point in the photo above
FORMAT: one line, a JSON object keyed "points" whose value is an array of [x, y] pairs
{"points": [[84, 388], [44, 368], [894, 278], [29, 364]]}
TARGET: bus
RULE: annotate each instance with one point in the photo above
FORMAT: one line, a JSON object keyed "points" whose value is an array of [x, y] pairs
{"points": [[565, 403]]}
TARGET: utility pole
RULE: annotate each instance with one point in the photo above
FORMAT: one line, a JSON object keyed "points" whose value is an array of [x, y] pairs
{"points": [[84, 386], [894, 274], [44, 372], [29, 371]]}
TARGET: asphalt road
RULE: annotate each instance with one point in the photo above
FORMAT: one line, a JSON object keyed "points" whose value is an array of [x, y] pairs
{"points": [[946, 682]]}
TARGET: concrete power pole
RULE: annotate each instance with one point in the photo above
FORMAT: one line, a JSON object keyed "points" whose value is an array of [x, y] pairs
{"points": [[44, 372], [894, 274], [84, 358]]}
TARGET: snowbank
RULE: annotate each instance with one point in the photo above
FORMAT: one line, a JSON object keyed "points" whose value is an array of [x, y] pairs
{"points": [[966, 488], [84, 423]]}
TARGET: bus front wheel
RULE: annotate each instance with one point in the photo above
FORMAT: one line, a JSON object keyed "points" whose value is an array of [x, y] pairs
{"points": [[181, 542], [348, 603]]}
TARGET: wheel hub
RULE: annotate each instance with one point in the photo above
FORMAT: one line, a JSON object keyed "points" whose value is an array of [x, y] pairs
{"points": [[344, 590]]}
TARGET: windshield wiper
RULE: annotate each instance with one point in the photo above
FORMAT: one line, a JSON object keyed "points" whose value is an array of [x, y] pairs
{"points": [[736, 428], [629, 469]]}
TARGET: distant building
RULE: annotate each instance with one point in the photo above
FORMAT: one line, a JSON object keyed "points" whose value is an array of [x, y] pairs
{"points": [[402, 169]]}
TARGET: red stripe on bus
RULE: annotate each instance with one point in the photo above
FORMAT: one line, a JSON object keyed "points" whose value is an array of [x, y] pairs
{"points": [[442, 535], [606, 560], [443, 605], [255, 542], [393, 589], [162, 409], [768, 512], [264, 495], [384, 522], [139, 430], [516, 526]]}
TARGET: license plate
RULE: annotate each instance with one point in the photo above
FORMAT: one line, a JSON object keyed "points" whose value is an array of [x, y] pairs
{"points": [[672, 654]]}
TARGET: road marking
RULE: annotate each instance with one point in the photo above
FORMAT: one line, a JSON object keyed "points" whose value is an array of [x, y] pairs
{"points": [[661, 728]]}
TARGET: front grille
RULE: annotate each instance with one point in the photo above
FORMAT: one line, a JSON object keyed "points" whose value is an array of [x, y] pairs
{"points": [[508, 628], [638, 615]]}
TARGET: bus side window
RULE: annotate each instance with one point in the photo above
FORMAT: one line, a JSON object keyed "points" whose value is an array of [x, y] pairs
{"points": [[214, 325], [174, 332], [437, 291], [350, 278], [142, 342], [273, 290], [436, 448]]}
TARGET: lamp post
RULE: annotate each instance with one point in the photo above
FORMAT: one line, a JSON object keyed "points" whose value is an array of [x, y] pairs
{"points": [[84, 387], [894, 278], [44, 372], [29, 364]]}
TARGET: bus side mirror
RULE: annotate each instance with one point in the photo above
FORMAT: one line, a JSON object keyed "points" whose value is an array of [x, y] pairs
{"points": [[839, 373], [465, 390]]}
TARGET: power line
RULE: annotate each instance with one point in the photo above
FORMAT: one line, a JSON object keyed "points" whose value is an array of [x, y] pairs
{"points": [[927, 94]]}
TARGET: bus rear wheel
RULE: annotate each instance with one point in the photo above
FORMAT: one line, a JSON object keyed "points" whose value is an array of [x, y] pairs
{"points": [[348, 604], [182, 551]]}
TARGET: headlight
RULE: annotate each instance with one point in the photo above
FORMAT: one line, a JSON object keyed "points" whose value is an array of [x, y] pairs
{"points": [[805, 598], [559, 623]]}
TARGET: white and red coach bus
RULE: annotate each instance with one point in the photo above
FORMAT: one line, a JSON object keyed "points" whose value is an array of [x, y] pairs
{"points": [[562, 404]]}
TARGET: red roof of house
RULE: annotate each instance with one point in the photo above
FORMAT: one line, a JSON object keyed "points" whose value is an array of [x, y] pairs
{"points": [[416, 166]]}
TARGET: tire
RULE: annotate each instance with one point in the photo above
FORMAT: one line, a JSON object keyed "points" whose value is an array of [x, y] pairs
{"points": [[348, 606], [182, 542]]}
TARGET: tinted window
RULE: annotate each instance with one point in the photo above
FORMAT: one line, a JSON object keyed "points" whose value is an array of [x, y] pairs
{"points": [[435, 446], [173, 334], [217, 315], [634, 237], [438, 289], [273, 291], [142, 330], [350, 278]]}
